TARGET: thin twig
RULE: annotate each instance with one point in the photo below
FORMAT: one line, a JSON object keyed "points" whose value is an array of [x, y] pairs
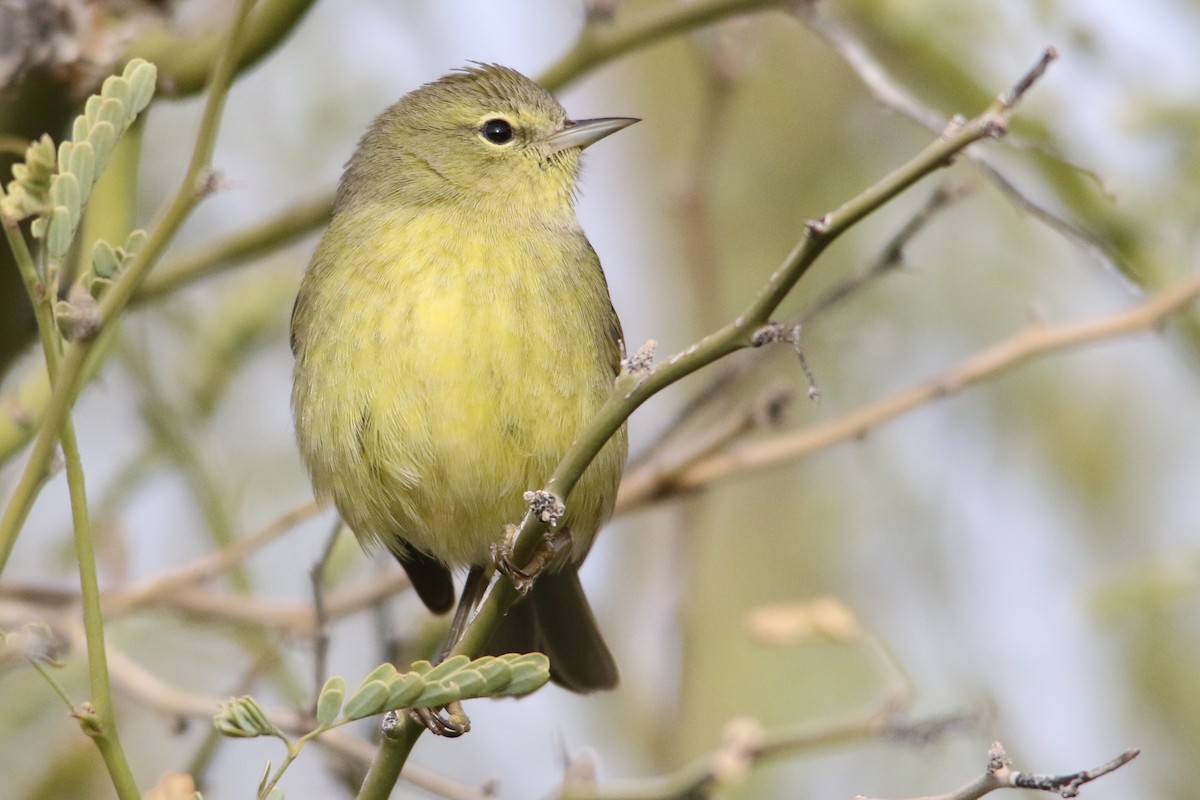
{"points": [[238, 248], [640, 469], [603, 39], [185, 61], [320, 612], [746, 744], [172, 581], [644, 485], [892, 95], [1001, 775], [891, 257]]}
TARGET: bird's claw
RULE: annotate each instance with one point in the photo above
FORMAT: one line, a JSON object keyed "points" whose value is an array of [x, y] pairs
{"points": [[451, 725], [523, 577]]}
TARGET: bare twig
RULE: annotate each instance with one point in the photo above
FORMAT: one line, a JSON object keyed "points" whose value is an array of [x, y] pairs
{"points": [[891, 257], [745, 744], [1001, 775], [238, 248], [644, 485], [293, 619], [297, 618], [321, 612], [603, 39], [892, 95], [172, 581], [729, 376], [762, 411]]}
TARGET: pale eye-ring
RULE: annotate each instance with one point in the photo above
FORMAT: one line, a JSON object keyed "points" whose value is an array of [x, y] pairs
{"points": [[497, 131]]}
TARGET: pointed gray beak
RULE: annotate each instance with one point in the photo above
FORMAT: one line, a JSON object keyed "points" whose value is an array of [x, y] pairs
{"points": [[582, 133]]}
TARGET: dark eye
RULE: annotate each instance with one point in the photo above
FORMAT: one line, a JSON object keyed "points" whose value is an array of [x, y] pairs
{"points": [[497, 131]]}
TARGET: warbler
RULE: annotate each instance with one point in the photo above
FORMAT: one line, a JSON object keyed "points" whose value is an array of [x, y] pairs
{"points": [[453, 334]]}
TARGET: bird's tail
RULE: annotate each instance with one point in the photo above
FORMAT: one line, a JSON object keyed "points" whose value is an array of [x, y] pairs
{"points": [[556, 619]]}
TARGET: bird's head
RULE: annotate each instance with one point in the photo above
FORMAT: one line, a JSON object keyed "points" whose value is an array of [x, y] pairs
{"points": [[481, 136]]}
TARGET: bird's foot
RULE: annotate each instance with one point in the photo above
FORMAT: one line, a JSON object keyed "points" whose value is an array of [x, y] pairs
{"points": [[523, 577], [452, 724]]}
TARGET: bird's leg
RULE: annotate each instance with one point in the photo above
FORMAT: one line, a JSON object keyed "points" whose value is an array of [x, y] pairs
{"points": [[523, 577], [472, 593], [455, 722]]}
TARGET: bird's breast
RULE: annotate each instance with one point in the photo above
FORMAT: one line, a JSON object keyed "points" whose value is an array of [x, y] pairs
{"points": [[468, 358]]}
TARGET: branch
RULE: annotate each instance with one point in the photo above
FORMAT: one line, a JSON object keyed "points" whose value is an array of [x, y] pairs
{"points": [[635, 387], [292, 618], [744, 744], [187, 61], [652, 482], [603, 39], [1001, 775], [237, 249], [172, 581], [889, 93]]}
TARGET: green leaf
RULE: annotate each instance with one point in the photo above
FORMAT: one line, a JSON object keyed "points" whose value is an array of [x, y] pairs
{"points": [[135, 241], [112, 111], [404, 690], [116, 87], [91, 113], [98, 286], [105, 261], [437, 695], [329, 702], [368, 700], [65, 153], [495, 671], [59, 233], [384, 672], [40, 155], [244, 718], [471, 683], [447, 668], [262, 782], [421, 667], [103, 137], [530, 672], [142, 76], [64, 191], [83, 166]]}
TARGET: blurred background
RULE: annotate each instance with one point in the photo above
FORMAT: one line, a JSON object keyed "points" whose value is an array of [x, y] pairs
{"points": [[1030, 546]]}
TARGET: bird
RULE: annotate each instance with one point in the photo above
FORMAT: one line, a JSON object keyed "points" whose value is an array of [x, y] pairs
{"points": [[453, 334]]}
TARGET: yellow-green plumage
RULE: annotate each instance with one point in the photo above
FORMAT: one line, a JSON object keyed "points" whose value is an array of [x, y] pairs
{"points": [[454, 332]]}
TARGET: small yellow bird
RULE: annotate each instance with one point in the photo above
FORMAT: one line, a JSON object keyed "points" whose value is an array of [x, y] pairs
{"points": [[453, 334]]}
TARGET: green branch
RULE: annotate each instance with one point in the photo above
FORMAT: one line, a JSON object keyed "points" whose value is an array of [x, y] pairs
{"points": [[237, 249], [98, 718], [603, 40], [186, 62]]}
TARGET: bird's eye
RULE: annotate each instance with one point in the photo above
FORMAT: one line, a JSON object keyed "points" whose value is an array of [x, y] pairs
{"points": [[497, 131]]}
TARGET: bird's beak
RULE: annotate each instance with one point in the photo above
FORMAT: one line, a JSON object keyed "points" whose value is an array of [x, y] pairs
{"points": [[582, 133]]}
